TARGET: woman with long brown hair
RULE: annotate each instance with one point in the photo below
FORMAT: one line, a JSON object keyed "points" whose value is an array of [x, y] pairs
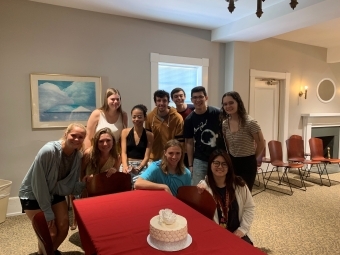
{"points": [[242, 135], [102, 156], [110, 115], [235, 205]]}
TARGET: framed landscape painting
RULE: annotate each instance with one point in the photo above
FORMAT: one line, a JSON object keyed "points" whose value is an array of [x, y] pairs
{"points": [[58, 100]]}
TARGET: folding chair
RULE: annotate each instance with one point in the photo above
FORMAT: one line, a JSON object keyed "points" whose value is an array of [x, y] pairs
{"points": [[203, 203], [259, 160], [296, 154], [275, 151], [295, 137], [265, 159], [316, 151]]}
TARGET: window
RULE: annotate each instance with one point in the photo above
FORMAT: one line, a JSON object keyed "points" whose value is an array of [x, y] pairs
{"points": [[169, 72]]}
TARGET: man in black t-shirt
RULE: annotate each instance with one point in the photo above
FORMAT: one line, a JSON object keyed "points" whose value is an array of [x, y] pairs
{"points": [[201, 133]]}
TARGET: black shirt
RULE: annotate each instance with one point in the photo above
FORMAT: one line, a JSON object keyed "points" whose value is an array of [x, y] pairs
{"points": [[233, 220], [136, 151], [204, 129]]}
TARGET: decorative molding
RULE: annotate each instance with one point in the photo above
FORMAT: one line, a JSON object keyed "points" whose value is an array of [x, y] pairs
{"points": [[156, 58], [320, 115], [14, 207], [284, 86]]}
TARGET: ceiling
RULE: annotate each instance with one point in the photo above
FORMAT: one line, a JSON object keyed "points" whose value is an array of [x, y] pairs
{"points": [[313, 22]]}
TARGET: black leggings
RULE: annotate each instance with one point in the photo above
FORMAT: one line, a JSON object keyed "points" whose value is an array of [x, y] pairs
{"points": [[246, 167]]}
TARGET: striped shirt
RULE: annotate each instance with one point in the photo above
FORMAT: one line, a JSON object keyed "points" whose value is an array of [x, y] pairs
{"points": [[241, 143]]}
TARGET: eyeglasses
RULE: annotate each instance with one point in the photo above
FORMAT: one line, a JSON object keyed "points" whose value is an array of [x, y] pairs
{"points": [[218, 163], [197, 97]]}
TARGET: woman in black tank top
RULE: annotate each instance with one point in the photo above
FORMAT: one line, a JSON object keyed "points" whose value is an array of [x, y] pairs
{"points": [[136, 143]]}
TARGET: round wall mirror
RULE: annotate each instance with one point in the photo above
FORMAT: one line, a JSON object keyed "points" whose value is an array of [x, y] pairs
{"points": [[326, 90]]}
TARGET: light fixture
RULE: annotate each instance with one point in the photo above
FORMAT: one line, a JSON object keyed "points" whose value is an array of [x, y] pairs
{"points": [[259, 12], [231, 6], [301, 92]]}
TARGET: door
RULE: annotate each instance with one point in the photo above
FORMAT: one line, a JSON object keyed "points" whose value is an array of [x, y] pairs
{"points": [[266, 109]]}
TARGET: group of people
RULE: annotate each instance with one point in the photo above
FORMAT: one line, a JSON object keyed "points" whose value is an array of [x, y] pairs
{"points": [[192, 144]]}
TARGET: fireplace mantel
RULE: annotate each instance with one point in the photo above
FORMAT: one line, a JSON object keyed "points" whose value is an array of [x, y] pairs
{"points": [[320, 115], [310, 120]]}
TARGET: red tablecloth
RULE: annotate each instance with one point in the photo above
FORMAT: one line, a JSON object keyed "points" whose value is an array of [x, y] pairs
{"points": [[119, 224]]}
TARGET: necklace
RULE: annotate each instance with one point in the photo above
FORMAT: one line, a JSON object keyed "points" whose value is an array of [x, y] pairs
{"points": [[224, 208]]}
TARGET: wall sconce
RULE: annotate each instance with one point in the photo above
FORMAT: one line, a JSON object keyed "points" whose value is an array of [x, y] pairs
{"points": [[301, 93]]}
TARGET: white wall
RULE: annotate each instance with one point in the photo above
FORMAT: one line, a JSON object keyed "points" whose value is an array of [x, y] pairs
{"points": [[43, 38], [307, 65], [37, 37]]}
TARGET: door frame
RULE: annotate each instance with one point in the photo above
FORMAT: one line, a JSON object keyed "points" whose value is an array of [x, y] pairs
{"points": [[284, 85]]}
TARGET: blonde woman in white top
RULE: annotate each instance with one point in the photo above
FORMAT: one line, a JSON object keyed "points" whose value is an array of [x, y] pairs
{"points": [[110, 115], [243, 137]]}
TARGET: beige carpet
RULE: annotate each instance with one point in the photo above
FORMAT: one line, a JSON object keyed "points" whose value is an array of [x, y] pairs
{"points": [[308, 222]]}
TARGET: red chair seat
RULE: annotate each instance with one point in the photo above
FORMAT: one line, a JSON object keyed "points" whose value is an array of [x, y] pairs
{"points": [[203, 203]]}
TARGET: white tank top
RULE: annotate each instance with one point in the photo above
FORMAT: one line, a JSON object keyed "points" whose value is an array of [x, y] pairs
{"points": [[116, 128]]}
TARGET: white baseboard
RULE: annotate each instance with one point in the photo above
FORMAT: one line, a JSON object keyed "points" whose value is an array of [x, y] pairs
{"points": [[14, 207]]}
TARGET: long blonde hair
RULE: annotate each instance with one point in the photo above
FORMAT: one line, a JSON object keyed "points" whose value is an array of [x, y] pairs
{"points": [[69, 128], [180, 169]]}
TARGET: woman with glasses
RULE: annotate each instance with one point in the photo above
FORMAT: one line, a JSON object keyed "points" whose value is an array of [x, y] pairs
{"points": [[235, 205], [242, 135]]}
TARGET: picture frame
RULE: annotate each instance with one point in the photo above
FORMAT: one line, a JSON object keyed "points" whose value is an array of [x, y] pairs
{"points": [[58, 100]]}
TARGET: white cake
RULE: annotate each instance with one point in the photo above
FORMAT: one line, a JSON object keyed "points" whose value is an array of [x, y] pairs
{"points": [[168, 231]]}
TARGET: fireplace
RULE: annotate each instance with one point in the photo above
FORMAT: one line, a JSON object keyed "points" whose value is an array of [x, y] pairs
{"points": [[330, 139], [328, 146], [325, 126]]}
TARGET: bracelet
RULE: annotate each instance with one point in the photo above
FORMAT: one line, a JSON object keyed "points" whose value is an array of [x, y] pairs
{"points": [[191, 166]]}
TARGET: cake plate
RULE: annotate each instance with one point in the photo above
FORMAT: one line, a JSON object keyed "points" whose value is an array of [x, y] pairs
{"points": [[162, 246]]}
